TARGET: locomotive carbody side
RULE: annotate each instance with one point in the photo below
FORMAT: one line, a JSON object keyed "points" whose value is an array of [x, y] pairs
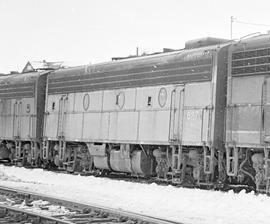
{"points": [[159, 102], [22, 98], [248, 113]]}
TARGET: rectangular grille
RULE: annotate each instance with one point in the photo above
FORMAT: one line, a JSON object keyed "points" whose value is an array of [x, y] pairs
{"points": [[253, 62]]}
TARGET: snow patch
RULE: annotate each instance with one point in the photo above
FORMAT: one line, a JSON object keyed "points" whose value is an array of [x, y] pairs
{"points": [[192, 206]]}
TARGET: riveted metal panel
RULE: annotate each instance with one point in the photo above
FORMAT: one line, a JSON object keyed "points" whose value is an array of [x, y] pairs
{"points": [[197, 112], [244, 124]]}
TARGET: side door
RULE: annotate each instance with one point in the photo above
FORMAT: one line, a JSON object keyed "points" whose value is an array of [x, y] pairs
{"points": [[197, 116], [176, 114], [2, 118], [17, 113], [62, 116], [266, 110]]}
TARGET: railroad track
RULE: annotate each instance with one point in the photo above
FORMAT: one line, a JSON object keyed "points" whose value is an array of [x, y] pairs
{"points": [[16, 206]]}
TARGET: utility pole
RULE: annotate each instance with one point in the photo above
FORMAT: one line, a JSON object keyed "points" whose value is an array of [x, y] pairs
{"points": [[137, 51], [232, 20]]}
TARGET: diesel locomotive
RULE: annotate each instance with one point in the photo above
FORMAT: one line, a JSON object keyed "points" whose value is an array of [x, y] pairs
{"points": [[154, 115], [196, 116], [248, 112], [22, 102]]}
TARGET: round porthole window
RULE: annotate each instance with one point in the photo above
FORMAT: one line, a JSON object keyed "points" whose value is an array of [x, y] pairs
{"points": [[162, 97], [86, 101], [120, 99]]}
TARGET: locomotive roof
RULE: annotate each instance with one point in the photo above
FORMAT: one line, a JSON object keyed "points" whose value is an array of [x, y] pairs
{"points": [[20, 77], [178, 55], [19, 85], [260, 41], [185, 65]]}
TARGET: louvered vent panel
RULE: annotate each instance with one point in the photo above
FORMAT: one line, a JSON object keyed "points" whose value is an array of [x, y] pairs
{"points": [[252, 62]]}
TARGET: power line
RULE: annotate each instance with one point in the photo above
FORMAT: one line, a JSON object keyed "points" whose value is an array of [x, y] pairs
{"points": [[253, 24], [234, 20]]}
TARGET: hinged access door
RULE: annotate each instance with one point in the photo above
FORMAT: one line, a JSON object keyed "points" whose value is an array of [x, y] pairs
{"points": [[176, 114], [17, 115], [2, 119], [266, 110], [62, 116]]}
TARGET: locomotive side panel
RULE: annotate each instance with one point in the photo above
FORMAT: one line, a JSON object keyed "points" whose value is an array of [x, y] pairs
{"points": [[70, 116], [197, 113], [154, 127], [51, 116], [123, 126], [95, 120], [18, 115], [6, 118], [94, 123], [120, 104], [153, 123], [27, 115], [244, 116], [73, 126], [95, 126], [134, 118]]}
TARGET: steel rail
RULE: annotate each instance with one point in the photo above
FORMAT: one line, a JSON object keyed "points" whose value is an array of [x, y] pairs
{"points": [[31, 217], [77, 206]]}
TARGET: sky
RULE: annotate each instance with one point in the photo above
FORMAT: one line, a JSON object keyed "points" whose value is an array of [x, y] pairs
{"points": [[91, 31]]}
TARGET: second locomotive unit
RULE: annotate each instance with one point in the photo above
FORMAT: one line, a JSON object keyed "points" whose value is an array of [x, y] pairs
{"points": [[158, 115], [248, 113]]}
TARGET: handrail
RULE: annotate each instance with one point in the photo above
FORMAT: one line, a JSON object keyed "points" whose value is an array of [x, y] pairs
{"points": [[173, 93], [263, 108]]}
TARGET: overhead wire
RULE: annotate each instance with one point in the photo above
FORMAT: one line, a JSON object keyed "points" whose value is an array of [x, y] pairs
{"points": [[253, 24]]}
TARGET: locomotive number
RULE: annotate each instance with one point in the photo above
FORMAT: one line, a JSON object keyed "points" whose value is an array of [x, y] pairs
{"points": [[193, 115]]}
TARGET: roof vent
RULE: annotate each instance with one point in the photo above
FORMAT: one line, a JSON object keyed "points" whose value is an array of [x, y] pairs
{"points": [[14, 72], [202, 42]]}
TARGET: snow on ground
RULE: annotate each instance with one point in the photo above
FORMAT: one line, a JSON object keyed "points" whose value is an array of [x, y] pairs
{"points": [[44, 208], [189, 206]]}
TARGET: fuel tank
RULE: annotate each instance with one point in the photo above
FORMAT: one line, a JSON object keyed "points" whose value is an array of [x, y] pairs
{"points": [[4, 152], [100, 157], [137, 162]]}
